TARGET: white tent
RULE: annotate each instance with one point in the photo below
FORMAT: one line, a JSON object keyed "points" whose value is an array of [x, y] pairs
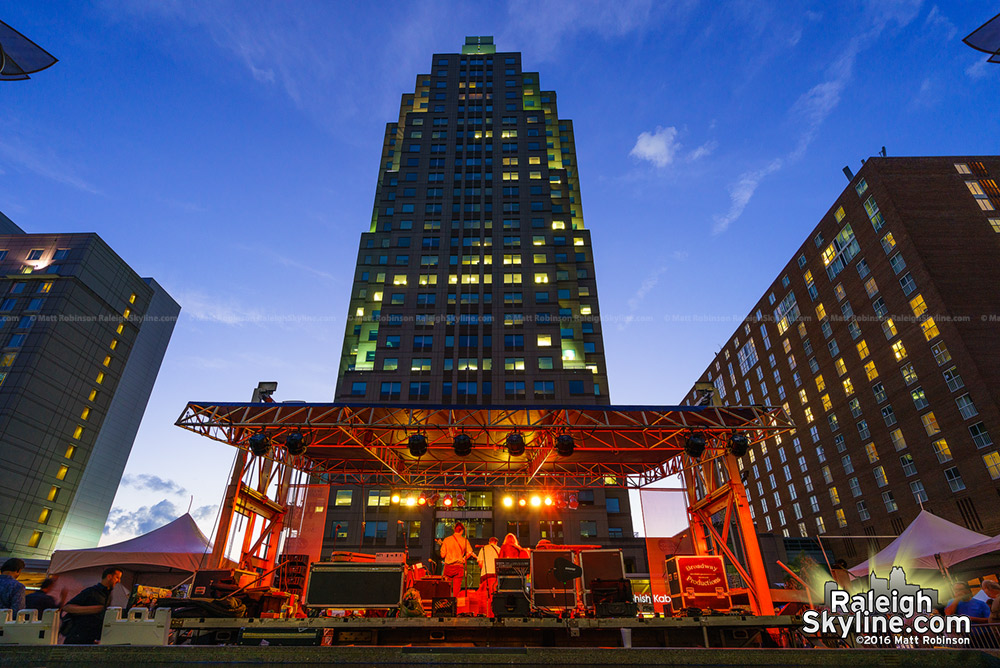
{"points": [[988, 546], [927, 535], [164, 557]]}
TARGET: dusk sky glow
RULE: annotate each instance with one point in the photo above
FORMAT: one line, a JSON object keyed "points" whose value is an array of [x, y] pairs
{"points": [[230, 150]]}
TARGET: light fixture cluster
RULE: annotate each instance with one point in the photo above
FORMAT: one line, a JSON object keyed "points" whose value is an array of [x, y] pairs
{"points": [[737, 445], [260, 443], [515, 443], [559, 501]]}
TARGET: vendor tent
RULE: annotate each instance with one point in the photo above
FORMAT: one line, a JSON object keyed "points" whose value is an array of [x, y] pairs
{"points": [[988, 552], [927, 536], [164, 557]]}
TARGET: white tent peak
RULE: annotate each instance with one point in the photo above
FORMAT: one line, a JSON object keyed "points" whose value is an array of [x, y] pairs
{"points": [[926, 536]]}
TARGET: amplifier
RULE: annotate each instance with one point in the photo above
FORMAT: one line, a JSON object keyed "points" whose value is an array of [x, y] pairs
{"points": [[600, 565], [354, 585], [511, 604], [390, 557]]}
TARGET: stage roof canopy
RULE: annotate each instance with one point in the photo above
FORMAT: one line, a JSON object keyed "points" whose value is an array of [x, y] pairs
{"points": [[624, 446]]}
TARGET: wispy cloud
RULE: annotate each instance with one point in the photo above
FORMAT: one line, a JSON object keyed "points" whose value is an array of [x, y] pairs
{"points": [[936, 20], [123, 523], [978, 69], [814, 106], [207, 308], [152, 483], [649, 282], [703, 151], [42, 160], [740, 194], [657, 147]]}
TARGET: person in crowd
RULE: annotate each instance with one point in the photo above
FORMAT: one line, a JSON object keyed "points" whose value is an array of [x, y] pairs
{"points": [[42, 599], [511, 549], [841, 575], [992, 589], [487, 559], [11, 591], [84, 616], [963, 604], [455, 549]]}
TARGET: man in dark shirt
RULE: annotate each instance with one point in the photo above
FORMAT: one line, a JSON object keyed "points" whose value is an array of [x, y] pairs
{"points": [[85, 611], [42, 599], [11, 591]]}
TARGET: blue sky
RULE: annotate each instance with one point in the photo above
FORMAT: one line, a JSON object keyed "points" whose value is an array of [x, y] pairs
{"points": [[230, 150]]}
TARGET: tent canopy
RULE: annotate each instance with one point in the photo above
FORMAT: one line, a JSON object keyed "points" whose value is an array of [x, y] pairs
{"points": [[179, 545], [957, 556], [927, 535]]}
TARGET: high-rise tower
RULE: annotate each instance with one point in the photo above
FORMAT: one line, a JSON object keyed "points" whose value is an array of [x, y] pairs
{"points": [[475, 285]]}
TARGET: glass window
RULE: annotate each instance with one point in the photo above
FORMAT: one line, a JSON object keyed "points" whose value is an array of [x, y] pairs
{"points": [[343, 497]]}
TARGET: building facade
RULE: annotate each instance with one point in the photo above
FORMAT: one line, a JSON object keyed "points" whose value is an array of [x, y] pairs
{"points": [[475, 285], [82, 341], [878, 338]]}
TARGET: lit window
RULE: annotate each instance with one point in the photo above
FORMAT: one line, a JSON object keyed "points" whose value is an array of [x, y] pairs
{"points": [[848, 387], [941, 450], [70, 451], [78, 432], [820, 383], [918, 305], [862, 349], [61, 473], [929, 328], [880, 478], [871, 287], [930, 423], [962, 168], [53, 493], [872, 452], [941, 354], [888, 328], [544, 340], [85, 414], [870, 370], [43, 517], [992, 461], [841, 367], [896, 436], [899, 351], [36, 537]]}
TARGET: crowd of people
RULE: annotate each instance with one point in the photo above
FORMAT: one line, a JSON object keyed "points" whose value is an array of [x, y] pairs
{"points": [[82, 615]]}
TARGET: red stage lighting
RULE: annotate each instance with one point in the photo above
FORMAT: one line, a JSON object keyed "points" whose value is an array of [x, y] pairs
{"points": [[573, 502], [422, 500], [522, 502], [447, 501], [548, 500], [434, 499], [460, 500]]}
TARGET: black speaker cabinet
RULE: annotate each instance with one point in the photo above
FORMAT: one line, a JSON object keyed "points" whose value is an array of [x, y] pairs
{"points": [[600, 565], [510, 604], [347, 585], [546, 590]]}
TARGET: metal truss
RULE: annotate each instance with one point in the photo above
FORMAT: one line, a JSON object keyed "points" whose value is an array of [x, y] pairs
{"points": [[616, 446]]}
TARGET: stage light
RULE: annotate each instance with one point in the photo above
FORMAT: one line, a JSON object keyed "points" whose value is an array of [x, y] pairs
{"points": [[573, 502], [561, 502], [295, 443], [522, 502], [462, 445], [515, 444], [565, 445], [548, 500], [508, 502], [460, 500], [738, 444], [412, 501], [536, 501], [394, 498], [417, 445], [694, 446], [447, 501], [259, 444], [432, 499]]}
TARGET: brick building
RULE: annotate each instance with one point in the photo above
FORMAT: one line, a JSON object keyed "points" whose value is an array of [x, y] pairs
{"points": [[879, 339]]}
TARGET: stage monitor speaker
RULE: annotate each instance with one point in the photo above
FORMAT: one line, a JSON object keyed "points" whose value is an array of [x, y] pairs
{"points": [[600, 565], [446, 606], [510, 604], [347, 585], [546, 589]]}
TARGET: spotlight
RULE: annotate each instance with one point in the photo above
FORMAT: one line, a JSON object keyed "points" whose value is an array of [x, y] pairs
{"points": [[447, 501], [515, 444], [460, 500], [259, 444], [508, 501], [422, 500], [561, 502], [418, 445], [548, 500], [462, 445], [412, 501], [433, 498], [738, 444], [565, 445], [536, 501], [522, 502], [394, 498], [573, 501], [694, 446], [295, 443]]}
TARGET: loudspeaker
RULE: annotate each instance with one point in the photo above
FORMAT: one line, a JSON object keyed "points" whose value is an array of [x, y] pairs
{"points": [[600, 565], [546, 590], [347, 585], [510, 604], [444, 607]]}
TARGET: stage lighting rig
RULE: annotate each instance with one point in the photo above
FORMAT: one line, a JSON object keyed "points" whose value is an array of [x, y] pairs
{"points": [[260, 444], [695, 444], [462, 445], [565, 445], [515, 444], [417, 445], [295, 443], [738, 444]]}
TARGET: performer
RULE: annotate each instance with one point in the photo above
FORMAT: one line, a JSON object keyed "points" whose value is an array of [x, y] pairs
{"points": [[511, 549], [455, 549], [487, 559]]}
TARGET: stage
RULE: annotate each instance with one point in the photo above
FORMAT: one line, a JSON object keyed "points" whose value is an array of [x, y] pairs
{"points": [[727, 631]]}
